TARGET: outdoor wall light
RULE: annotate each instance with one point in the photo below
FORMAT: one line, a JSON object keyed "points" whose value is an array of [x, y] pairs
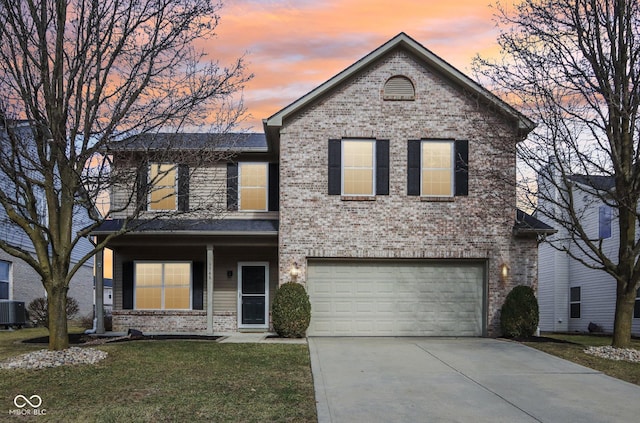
{"points": [[229, 274], [504, 272], [295, 271]]}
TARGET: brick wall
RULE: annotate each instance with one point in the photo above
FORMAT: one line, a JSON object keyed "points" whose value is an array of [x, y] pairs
{"points": [[164, 321], [478, 226]]}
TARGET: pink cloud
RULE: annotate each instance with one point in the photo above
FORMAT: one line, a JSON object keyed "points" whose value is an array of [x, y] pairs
{"points": [[293, 46]]}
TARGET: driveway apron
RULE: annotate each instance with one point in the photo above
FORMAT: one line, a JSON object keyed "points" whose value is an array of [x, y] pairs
{"points": [[460, 380]]}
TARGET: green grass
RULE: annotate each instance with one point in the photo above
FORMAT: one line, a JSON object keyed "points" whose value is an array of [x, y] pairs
{"points": [[166, 381], [573, 350]]}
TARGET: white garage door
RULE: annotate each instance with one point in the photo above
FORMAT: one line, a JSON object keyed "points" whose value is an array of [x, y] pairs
{"points": [[396, 298]]}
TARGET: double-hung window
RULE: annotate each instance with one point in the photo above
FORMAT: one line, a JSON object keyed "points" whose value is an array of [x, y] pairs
{"points": [[604, 222], [574, 302], [358, 168], [162, 285], [253, 194], [437, 168], [636, 306], [163, 186], [5, 268]]}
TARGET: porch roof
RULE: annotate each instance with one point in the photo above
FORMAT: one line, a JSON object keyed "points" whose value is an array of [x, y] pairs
{"points": [[529, 225], [191, 227]]}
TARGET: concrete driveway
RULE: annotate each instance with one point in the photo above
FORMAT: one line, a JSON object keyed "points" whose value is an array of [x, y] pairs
{"points": [[460, 380]]}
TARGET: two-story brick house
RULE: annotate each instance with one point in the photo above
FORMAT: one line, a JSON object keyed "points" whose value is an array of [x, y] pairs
{"points": [[389, 191]]}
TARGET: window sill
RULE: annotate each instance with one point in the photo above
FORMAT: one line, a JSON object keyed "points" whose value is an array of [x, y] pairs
{"points": [[357, 198], [437, 199]]}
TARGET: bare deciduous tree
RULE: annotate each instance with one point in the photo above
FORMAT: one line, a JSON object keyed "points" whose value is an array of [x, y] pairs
{"points": [[573, 66], [75, 75]]}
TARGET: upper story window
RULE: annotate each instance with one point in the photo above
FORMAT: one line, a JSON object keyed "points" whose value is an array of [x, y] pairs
{"points": [[399, 88], [5, 268], [358, 163], [437, 168], [163, 186], [604, 222], [253, 186], [358, 168]]}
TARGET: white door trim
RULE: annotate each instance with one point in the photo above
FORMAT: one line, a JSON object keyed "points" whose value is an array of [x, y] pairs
{"points": [[265, 264]]}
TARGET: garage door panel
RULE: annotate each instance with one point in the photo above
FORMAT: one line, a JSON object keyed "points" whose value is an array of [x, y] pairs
{"points": [[364, 298]]}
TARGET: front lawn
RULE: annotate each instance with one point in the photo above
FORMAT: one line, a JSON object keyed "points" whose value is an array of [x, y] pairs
{"points": [[573, 350], [155, 381]]}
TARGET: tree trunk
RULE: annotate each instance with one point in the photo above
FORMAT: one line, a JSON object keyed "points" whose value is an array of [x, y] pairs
{"points": [[57, 307], [623, 318]]}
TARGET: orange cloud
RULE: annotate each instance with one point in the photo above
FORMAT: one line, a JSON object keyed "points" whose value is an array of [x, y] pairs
{"points": [[293, 46]]}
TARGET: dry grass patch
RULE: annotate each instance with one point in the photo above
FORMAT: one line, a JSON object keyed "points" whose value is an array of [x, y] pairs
{"points": [[157, 381], [573, 347]]}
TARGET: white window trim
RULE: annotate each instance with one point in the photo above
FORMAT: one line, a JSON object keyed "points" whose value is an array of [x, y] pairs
{"points": [[266, 197], [374, 167], [162, 262], [267, 287], [10, 280], [453, 168], [153, 186]]}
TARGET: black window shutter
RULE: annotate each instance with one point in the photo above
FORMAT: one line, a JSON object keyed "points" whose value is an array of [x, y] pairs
{"points": [[127, 285], [382, 167], [462, 167], [413, 167], [335, 165], [274, 187], [232, 186], [197, 293], [183, 187], [142, 186]]}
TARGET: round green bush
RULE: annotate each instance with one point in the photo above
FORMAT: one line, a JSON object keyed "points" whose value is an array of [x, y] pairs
{"points": [[291, 310], [519, 313]]}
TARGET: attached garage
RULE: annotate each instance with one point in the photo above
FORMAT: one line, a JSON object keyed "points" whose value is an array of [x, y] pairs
{"points": [[396, 298]]}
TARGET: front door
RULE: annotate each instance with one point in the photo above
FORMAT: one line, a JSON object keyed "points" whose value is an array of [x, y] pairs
{"points": [[253, 295]]}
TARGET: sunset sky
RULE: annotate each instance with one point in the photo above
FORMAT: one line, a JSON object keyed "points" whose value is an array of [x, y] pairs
{"points": [[292, 46]]}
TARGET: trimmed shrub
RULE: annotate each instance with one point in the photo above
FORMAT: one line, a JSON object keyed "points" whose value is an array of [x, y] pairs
{"points": [[519, 313], [39, 310], [291, 310]]}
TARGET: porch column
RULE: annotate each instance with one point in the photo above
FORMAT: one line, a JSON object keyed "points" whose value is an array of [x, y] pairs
{"points": [[99, 292], [210, 288]]}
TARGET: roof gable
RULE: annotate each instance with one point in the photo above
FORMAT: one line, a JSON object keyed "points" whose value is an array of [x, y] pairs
{"points": [[403, 41]]}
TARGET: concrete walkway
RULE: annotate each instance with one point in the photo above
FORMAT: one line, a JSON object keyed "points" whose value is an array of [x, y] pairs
{"points": [[460, 380]]}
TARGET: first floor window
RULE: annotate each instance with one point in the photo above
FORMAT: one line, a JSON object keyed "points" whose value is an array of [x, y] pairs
{"points": [[162, 286], [5, 266], [636, 307], [574, 302]]}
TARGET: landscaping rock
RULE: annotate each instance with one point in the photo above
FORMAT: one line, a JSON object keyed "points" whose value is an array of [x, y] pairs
{"points": [[45, 358], [618, 354]]}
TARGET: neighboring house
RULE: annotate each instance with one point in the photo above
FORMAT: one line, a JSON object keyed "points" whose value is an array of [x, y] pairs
{"points": [[107, 294], [383, 191], [570, 294], [20, 282]]}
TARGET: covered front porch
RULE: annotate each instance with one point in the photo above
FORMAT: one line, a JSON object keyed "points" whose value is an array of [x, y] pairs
{"points": [[192, 281]]}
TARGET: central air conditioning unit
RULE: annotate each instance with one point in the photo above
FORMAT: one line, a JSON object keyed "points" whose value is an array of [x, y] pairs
{"points": [[12, 313]]}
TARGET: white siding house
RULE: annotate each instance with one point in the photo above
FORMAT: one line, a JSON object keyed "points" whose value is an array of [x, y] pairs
{"points": [[572, 295]]}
